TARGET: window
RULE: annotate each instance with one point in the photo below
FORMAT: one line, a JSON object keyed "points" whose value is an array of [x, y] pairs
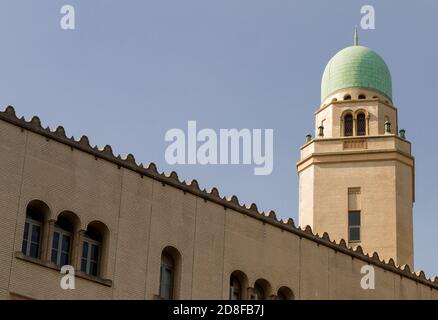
{"points": [[347, 97], [258, 293], [92, 250], [167, 275], [31, 238], [61, 242], [36, 213], [354, 226], [235, 289], [362, 96], [348, 125], [61, 247], [361, 125], [90, 256], [284, 293]]}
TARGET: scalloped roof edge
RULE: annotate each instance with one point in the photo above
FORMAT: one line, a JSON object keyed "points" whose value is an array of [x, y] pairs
{"points": [[213, 195]]}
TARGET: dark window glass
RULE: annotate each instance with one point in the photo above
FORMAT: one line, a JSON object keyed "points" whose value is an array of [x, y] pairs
{"points": [[258, 294], [65, 243], [354, 234], [84, 259], [235, 289], [348, 125], [35, 234], [90, 258], [166, 276], [361, 125], [84, 265], [281, 296], [93, 268], [85, 250], [34, 249], [94, 252], [354, 218], [31, 238], [354, 226], [35, 241], [25, 238]]}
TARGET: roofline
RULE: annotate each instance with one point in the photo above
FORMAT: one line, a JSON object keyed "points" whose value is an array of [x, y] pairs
{"points": [[34, 125]]}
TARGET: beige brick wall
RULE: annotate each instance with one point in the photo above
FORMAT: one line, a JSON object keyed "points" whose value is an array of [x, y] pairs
{"points": [[143, 217]]}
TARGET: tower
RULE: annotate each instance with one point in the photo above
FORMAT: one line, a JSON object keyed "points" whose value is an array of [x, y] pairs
{"points": [[356, 177]]}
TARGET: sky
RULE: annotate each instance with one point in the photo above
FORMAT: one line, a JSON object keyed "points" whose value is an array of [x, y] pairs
{"points": [[134, 69]]}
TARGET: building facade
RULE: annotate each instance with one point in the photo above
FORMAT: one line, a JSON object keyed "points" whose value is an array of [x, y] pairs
{"points": [[131, 232]]}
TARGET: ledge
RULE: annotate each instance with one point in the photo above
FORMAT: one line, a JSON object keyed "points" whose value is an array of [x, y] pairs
{"points": [[50, 265]]}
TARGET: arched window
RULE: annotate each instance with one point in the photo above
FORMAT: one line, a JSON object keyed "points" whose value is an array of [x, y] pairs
{"points": [[235, 288], [92, 250], [61, 242], [284, 293], [167, 276], [238, 285], [261, 290], [36, 214], [348, 125], [361, 125], [347, 97], [258, 292], [362, 97]]}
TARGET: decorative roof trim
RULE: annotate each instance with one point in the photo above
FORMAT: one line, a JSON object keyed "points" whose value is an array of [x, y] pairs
{"points": [[213, 195]]}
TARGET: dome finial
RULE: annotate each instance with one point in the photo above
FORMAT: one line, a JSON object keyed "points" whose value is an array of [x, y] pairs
{"points": [[356, 37]]}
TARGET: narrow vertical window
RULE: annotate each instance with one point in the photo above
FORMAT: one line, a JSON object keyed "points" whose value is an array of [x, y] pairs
{"points": [[361, 125], [354, 226], [235, 289], [167, 274], [348, 125]]}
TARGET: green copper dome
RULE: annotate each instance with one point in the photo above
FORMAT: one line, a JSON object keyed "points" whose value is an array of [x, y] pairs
{"points": [[356, 67]]}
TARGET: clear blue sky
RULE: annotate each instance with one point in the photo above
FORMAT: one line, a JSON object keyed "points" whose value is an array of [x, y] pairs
{"points": [[134, 69]]}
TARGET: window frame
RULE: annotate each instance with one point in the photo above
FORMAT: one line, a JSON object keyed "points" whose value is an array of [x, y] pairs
{"points": [[364, 132], [354, 226], [31, 223], [351, 131], [88, 260], [258, 292], [233, 290], [59, 250], [171, 268]]}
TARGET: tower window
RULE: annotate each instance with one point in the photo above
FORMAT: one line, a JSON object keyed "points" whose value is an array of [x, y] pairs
{"points": [[348, 125], [347, 97], [361, 125], [354, 226]]}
